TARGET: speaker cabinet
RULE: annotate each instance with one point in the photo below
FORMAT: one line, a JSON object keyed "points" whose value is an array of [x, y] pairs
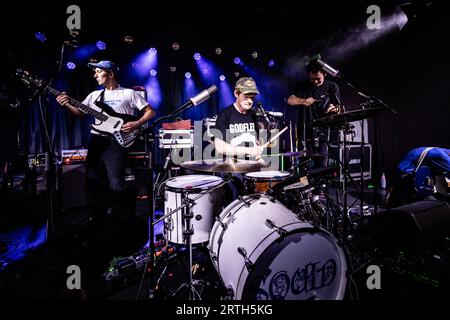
{"points": [[73, 187], [420, 226]]}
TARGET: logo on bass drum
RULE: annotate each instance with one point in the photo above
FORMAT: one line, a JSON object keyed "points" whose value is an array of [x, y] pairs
{"points": [[312, 276]]}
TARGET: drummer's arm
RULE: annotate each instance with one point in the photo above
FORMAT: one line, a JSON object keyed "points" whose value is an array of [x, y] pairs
{"points": [[225, 148], [336, 107], [333, 109], [293, 100]]}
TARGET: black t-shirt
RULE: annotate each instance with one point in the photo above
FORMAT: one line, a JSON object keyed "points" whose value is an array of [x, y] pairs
{"points": [[238, 129], [328, 93]]}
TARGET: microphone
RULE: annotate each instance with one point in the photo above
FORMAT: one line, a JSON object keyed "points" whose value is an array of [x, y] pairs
{"points": [[166, 164], [204, 95], [333, 72], [263, 112], [275, 114], [199, 98]]}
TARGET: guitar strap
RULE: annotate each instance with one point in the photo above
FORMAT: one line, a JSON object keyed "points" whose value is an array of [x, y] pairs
{"points": [[101, 96], [421, 157]]}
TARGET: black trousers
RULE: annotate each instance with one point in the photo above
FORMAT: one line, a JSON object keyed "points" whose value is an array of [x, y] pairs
{"points": [[105, 169]]}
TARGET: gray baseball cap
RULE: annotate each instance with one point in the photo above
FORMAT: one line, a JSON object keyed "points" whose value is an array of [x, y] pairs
{"points": [[105, 65]]}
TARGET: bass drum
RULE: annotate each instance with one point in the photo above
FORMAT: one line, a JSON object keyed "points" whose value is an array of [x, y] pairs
{"points": [[262, 251]]}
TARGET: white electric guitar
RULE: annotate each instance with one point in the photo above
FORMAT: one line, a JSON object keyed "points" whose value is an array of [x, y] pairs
{"points": [[110, 122]]}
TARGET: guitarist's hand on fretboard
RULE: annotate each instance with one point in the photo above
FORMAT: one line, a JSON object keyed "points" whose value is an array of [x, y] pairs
{"points": [[67, 102], [63, 99]]}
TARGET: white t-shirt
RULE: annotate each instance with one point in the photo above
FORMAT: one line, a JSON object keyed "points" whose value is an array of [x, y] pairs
{"points": [[121, 100]]}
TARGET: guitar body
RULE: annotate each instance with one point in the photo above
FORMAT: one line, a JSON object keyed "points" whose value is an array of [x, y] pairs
{"points": [[112, 124], [109, 121]]}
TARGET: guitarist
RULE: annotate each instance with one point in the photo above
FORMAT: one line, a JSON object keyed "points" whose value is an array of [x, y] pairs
{"points": [[105, 161]]}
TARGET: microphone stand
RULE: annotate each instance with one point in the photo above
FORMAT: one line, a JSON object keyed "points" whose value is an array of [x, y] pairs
{"points": [[53, 206], [371, 101], [50, 170]]}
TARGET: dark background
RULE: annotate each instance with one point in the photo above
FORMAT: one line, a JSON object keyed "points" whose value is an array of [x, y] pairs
{"points": [[407, 69]]}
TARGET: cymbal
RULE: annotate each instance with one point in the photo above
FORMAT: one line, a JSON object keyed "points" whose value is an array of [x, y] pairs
{"points": [[227, 166], [349, 116], [303, 154]]}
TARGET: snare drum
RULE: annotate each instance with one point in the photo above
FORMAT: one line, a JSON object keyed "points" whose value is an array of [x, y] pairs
{"points": [[262, 181], [204, 209]]}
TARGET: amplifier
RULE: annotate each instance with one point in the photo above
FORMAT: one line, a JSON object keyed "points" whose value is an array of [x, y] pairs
{"points": [[73, 156], [37, 160], [354, 160], [170, 139]]}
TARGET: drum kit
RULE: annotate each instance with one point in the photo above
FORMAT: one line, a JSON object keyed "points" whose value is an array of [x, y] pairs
{"points": [[275, 242]]}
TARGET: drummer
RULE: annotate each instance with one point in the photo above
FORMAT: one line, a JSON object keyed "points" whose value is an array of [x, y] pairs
{"points": [[318, 97], [238, 124]]}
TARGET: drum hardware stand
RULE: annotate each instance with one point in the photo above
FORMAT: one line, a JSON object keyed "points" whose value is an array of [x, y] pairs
{"points": [[307, 206], [345, 169], [331, 223], [299, 165], [371, 101], [187, 234], [150, 130], [345, 129]]}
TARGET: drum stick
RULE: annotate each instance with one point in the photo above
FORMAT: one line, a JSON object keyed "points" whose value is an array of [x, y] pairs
{"points": [[274, 137]]}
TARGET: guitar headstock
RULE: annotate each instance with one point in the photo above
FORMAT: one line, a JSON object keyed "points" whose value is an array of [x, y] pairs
{"points": [[28, 79]]}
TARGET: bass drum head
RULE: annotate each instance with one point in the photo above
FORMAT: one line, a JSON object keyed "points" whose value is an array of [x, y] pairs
{"points": [[262, 251], [304, 265]]}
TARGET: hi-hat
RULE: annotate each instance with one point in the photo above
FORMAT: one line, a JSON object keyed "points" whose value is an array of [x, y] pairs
{"points": [[227, 166], [349, 116]]}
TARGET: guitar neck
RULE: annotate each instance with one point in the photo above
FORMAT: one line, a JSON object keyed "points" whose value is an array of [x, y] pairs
{"points": [[98, 115]]}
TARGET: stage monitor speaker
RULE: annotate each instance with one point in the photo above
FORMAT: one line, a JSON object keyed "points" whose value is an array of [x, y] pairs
{"points": [[73, 187], [420, 226]]}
